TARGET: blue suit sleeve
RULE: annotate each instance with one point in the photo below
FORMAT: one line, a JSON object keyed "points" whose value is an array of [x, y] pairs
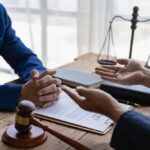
{"points": [[132, 132], [17, 55], [9, 95]]}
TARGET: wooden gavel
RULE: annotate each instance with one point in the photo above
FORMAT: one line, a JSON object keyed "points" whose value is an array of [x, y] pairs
{"points": [[31, 131]]}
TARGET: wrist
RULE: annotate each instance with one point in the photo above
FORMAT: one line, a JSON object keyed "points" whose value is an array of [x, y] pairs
{"points": [[117, 110]]}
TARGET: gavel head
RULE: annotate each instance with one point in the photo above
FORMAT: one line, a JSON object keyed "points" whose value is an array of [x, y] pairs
{"points": [[24, 113]]}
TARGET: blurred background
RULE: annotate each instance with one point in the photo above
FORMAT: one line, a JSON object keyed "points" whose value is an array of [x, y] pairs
{"points": [[59, 31]]}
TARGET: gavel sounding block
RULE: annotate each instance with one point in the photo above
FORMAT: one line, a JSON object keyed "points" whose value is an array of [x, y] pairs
{"points": [[34, 137]]}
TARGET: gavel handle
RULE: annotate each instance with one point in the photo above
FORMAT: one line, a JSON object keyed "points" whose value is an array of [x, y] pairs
{"points": [[66, 139]]}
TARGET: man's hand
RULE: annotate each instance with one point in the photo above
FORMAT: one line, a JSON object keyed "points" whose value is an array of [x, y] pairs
{"points": [[131, 73], [96, 101], [42, 89]]}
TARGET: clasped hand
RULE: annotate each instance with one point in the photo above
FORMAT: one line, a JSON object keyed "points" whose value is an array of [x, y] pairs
{"points": [[42, 89]]}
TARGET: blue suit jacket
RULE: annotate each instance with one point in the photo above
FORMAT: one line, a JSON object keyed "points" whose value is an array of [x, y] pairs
{"points": [[18, 56], [132, 132]]}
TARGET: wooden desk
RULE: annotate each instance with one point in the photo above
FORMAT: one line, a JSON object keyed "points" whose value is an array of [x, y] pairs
{"points": [[85, 63]]}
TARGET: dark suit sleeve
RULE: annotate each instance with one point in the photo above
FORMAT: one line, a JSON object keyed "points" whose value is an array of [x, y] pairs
{"points": [[17, 55], [132, 132], [9, 95]]}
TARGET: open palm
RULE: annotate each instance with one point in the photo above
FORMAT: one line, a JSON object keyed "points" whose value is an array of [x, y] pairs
{"points": [[95, 100], [130, 73]]}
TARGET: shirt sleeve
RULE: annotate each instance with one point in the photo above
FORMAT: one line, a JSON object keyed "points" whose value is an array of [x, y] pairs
{"points": [[17, 55], [132, 132], [9, 95]]}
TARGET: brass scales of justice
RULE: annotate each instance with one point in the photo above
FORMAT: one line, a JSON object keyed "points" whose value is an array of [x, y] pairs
{"points": [[107, 58]]}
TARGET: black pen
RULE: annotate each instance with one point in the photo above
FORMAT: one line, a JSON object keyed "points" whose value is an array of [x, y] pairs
{"points": [[128, 103]]}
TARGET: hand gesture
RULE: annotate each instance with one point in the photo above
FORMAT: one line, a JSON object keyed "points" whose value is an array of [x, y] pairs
{"points": [[42, 89], [132, 72], [95, 100]]}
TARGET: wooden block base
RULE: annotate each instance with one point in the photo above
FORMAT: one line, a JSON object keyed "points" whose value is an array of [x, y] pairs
{"points": [[13, 138]]}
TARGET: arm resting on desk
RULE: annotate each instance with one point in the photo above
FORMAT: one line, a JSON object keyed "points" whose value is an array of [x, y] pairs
{"points": [[132, 132]]}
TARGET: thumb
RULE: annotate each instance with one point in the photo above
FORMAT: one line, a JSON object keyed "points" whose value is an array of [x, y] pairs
{"points": [[47, 72], [34, 74], [83, 92]]}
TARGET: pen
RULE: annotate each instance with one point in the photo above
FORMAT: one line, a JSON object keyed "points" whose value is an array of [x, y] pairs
{"points": [[128, 103]]}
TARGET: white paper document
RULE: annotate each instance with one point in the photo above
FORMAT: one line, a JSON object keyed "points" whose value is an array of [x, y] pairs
{"points": [[66, 110]]}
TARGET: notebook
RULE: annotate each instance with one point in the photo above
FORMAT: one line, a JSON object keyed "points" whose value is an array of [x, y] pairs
{"points": [[75, 78], [134, 93], [67, 112]]}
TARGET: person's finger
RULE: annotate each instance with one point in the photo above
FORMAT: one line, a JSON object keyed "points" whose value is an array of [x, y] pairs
{"points": [[59, 82], [47, 72], [115, 68], [73, 94], [82, 102], [58, 90], [109, 69], [45, 81], [122, 61], [48, 98], [85, 92], [49, 89], [102, 73], [48, 80], [48, 104], [34, 74], [112, 79]]}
